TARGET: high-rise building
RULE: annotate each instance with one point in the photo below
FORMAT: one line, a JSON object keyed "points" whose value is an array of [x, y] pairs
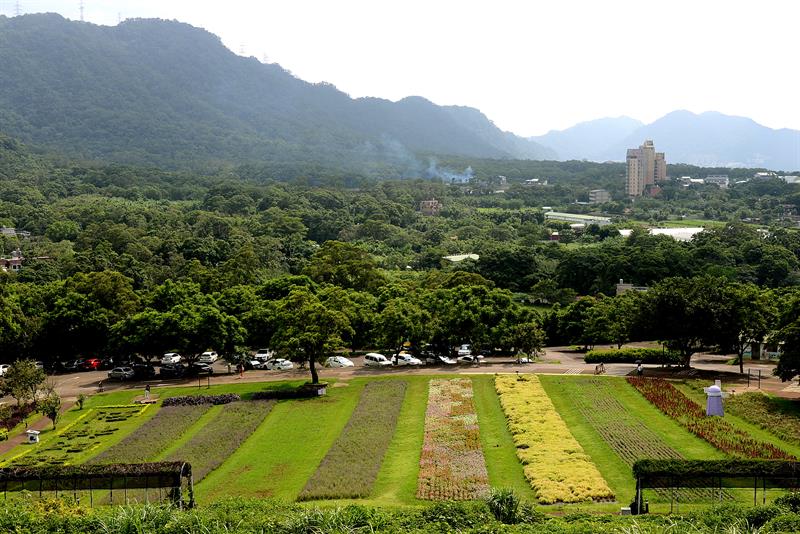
{"points": [[645, 167]]}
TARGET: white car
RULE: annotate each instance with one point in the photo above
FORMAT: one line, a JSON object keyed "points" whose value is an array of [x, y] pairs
{"points": [[406, 359], [254, 364], [264, 355], [465, 350], [373, 359], [121, 373], [469, 359], [208, 357], [278, 364], [171, 357], [4, 368], [338, 361]]}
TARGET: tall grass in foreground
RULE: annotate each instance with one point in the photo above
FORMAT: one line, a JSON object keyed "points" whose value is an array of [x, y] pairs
{"points": [[220, 438], [351, 465], [154, 436], [451, 465]]}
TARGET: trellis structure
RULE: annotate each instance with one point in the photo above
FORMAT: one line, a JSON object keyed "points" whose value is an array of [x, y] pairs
{"points": [[714, 474], [174, 478]]}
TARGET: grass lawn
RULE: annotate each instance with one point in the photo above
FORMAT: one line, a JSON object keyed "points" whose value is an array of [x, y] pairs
{"points": [[690, 223], [505, 470], [614, 469], [190, 432], [285, 450]]}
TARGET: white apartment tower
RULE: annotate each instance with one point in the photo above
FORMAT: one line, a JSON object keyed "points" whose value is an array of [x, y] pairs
{"points": [[645, 167]]}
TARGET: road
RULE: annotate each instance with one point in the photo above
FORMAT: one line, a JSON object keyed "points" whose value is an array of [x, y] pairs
{"points": [[556, 360]]}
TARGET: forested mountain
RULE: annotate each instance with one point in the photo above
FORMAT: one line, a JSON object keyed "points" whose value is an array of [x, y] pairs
{"points": [[161, 92], [708, 139], [589, 140]]}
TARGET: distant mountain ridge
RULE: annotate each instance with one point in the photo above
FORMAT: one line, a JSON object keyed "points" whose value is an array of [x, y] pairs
{"points": [[163, 92], [708, 139]]}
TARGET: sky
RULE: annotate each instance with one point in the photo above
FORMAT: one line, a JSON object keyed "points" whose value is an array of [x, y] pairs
{"points": [[530, 66]]}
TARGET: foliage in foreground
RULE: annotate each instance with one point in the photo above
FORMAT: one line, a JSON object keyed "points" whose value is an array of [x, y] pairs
{"points": [[631, 355], [351, 465], [451, 465], [554, 462], [714, 430], [239, 516]]}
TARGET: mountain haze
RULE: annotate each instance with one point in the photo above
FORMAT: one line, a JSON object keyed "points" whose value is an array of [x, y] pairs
{"points": [[588, 140], [708, 139], [164, 92]]}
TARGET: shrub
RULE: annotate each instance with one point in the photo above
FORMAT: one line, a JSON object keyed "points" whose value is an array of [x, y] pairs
{"points": [[790, 501], [504, 505], [631, 355], [196, 400], [458, 515], [784, 523]]}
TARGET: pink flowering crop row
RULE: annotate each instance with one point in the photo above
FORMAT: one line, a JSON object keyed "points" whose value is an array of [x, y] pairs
{"points": [[451, 465], [714, 430]]}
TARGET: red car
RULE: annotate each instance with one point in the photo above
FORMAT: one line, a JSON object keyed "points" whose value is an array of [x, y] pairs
{"points": [[92, 364]]}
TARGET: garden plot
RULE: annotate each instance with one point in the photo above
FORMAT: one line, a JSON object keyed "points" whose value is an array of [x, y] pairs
{"points": [[351, 465], [219, 438], [714, 430], [79, 439], [452, 465], [154, 436], [622, 429], [554, 462]]}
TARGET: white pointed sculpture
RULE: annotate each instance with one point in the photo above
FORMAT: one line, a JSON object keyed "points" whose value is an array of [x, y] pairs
{"points": [[714, 402]]}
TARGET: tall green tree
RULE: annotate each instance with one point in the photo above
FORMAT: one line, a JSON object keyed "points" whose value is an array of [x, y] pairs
{"points": [[306, 330]]}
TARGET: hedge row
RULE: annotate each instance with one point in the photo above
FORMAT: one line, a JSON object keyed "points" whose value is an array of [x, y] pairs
{"points": [[90, 470], [631, 355], [716, 468], [197, 400]]}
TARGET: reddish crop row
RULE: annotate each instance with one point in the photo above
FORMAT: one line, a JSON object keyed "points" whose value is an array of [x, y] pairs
{"points": [[714, 430], [451, 464]]}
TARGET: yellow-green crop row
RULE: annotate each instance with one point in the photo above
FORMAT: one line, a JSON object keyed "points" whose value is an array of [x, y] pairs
{"points": [[553, 461]]}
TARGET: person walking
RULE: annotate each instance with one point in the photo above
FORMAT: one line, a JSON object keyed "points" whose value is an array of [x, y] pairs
{"points": [[147, 392], [639, 370]]}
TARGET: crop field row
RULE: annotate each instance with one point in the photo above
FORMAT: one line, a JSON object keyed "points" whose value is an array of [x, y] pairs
{"points": [[78, 439], [622, 429], [715, 430], [154, 436], [221, 436], [451, 464], [351, 465], [554, 462]]}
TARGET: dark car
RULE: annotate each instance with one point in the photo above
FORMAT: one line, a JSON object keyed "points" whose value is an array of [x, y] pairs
{"points": [[199, 369], [172, 370], [143, 370], [91, 364], [69, 366]]}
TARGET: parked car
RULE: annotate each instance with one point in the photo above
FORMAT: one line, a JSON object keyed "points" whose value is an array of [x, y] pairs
{"points": [[4, 367], [523, 359], [405, 359], [143, 370], [39, 364], [208, 357], [199, 369], [171, 357], [264, 355], [68, 366], [172, 370], [121, 373], [469, 359], [465, 350], [373, 359], [437, 359], [91, 364], [254, 364], [338, 361], [278, 364], [108, 363]]}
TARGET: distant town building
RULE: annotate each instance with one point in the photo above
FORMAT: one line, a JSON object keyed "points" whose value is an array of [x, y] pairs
{"points": [[13, 232], [430, 208], [622, 287], [790, 179], [764, 175], [576, 218], [12, 264], [461, 257], [645, 167], [535, 181], [599, 196], [720, 180]]}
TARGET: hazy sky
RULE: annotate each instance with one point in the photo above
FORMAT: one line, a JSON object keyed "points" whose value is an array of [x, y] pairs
{"points": [[530, 66]]}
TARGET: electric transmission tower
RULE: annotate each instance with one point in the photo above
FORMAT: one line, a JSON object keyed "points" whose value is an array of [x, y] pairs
{"points": [[81, 10]]}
